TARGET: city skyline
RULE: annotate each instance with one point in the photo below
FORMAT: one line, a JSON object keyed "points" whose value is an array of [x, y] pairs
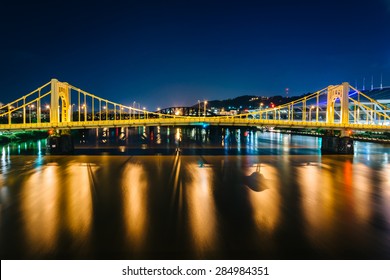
{"points": [[173, 54]]}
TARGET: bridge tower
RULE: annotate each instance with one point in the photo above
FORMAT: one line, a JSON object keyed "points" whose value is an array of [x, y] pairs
{"points": [[59, 112], [334, 93], [61, 142], [341, 144]]}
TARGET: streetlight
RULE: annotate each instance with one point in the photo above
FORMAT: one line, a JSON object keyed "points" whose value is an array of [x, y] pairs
{"points": [[205, 106], [30, 107], [198, 108], [71, 111], [261, 106], [85, 113], [48, 108], [311, 108]]}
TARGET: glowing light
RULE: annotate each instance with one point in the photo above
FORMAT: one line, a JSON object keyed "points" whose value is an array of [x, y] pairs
{"points": [[39, 207], [202, 210], [78, 206], [135, 189]]}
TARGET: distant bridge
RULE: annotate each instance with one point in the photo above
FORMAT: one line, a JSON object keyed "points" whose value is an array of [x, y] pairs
{"points": [[61, 106]]}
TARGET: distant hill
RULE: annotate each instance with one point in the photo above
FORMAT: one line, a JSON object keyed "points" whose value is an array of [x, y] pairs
{"points": [[249, 102]]}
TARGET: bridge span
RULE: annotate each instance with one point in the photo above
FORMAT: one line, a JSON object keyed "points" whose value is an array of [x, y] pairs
{"points": [[60, 107]]}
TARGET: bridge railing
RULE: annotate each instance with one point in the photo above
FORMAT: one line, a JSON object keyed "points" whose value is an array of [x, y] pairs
{"points": [[26, 109]]}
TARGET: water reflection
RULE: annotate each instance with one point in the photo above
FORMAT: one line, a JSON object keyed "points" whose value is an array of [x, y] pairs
{"points": [[77, 200], [337, 202], [135, 209], [40, 210], [5, 159], [265, 203], [53, 200], [201, 209], [316, 185], [385, 194], [361, 191], [285, 200]]}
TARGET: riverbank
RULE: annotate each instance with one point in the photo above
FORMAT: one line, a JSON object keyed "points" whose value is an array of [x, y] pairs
{"points": [[375, 137], [22, 136]]}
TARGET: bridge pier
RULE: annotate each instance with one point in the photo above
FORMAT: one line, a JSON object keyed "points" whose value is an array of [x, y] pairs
{"points": [[60, 142], [332, 144]]}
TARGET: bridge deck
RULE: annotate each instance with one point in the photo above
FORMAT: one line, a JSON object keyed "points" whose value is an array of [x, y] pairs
{"points": [[215, 121]]}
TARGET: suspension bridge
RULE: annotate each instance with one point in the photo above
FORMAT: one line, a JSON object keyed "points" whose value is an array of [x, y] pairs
{"points": [[61, 106]]}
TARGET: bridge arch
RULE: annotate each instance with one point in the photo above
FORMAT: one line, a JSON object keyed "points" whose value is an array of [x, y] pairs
{"points": [[338, 92], [60, 102]]}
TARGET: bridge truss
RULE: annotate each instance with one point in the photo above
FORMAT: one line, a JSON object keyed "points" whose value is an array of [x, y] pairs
{"points": [[59, 105]]}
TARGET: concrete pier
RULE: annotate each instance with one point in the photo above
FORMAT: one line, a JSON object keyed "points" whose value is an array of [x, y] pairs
{"points": [[337, 145], [60, 144]]}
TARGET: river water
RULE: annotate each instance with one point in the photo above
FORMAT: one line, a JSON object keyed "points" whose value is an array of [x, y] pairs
{"points": [[195, 194]]}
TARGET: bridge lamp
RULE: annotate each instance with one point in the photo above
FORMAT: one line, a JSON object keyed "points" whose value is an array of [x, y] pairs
{"points": [[71, 111], [205, 106], [48, 108], [311, 108], [261, 105], [31, 106], [85, 111]]}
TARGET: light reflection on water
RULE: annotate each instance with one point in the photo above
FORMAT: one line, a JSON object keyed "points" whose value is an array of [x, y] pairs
{"points": [[56, 198], [39, 210], [77, 200], [266, 201], [200, 206], [201, 209], [135, 191]]}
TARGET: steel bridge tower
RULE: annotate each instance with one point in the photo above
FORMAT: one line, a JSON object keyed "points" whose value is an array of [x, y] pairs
{"points": [[60, 92], [338, 92]]}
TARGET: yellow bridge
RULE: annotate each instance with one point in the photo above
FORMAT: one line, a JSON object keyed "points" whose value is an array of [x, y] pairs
{"points": [[60, 106]]}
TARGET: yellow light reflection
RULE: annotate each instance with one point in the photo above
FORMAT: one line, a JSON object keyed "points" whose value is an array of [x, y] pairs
{"points": [[178, 136], [78, 200], [317, 188], [202, 210], [158, 136], [135, 192], [40, 211], [385, 186], [362, 191], [266, 200], [329, 193]]}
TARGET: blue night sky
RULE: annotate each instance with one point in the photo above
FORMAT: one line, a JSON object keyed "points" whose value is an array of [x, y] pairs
{"points": [[166, 53]]}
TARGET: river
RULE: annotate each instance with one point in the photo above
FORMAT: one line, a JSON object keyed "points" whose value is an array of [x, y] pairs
{"points": [[195, 194]]}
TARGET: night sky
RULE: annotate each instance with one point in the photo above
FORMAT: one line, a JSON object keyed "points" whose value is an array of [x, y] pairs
{"points": [[166, 53]]}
